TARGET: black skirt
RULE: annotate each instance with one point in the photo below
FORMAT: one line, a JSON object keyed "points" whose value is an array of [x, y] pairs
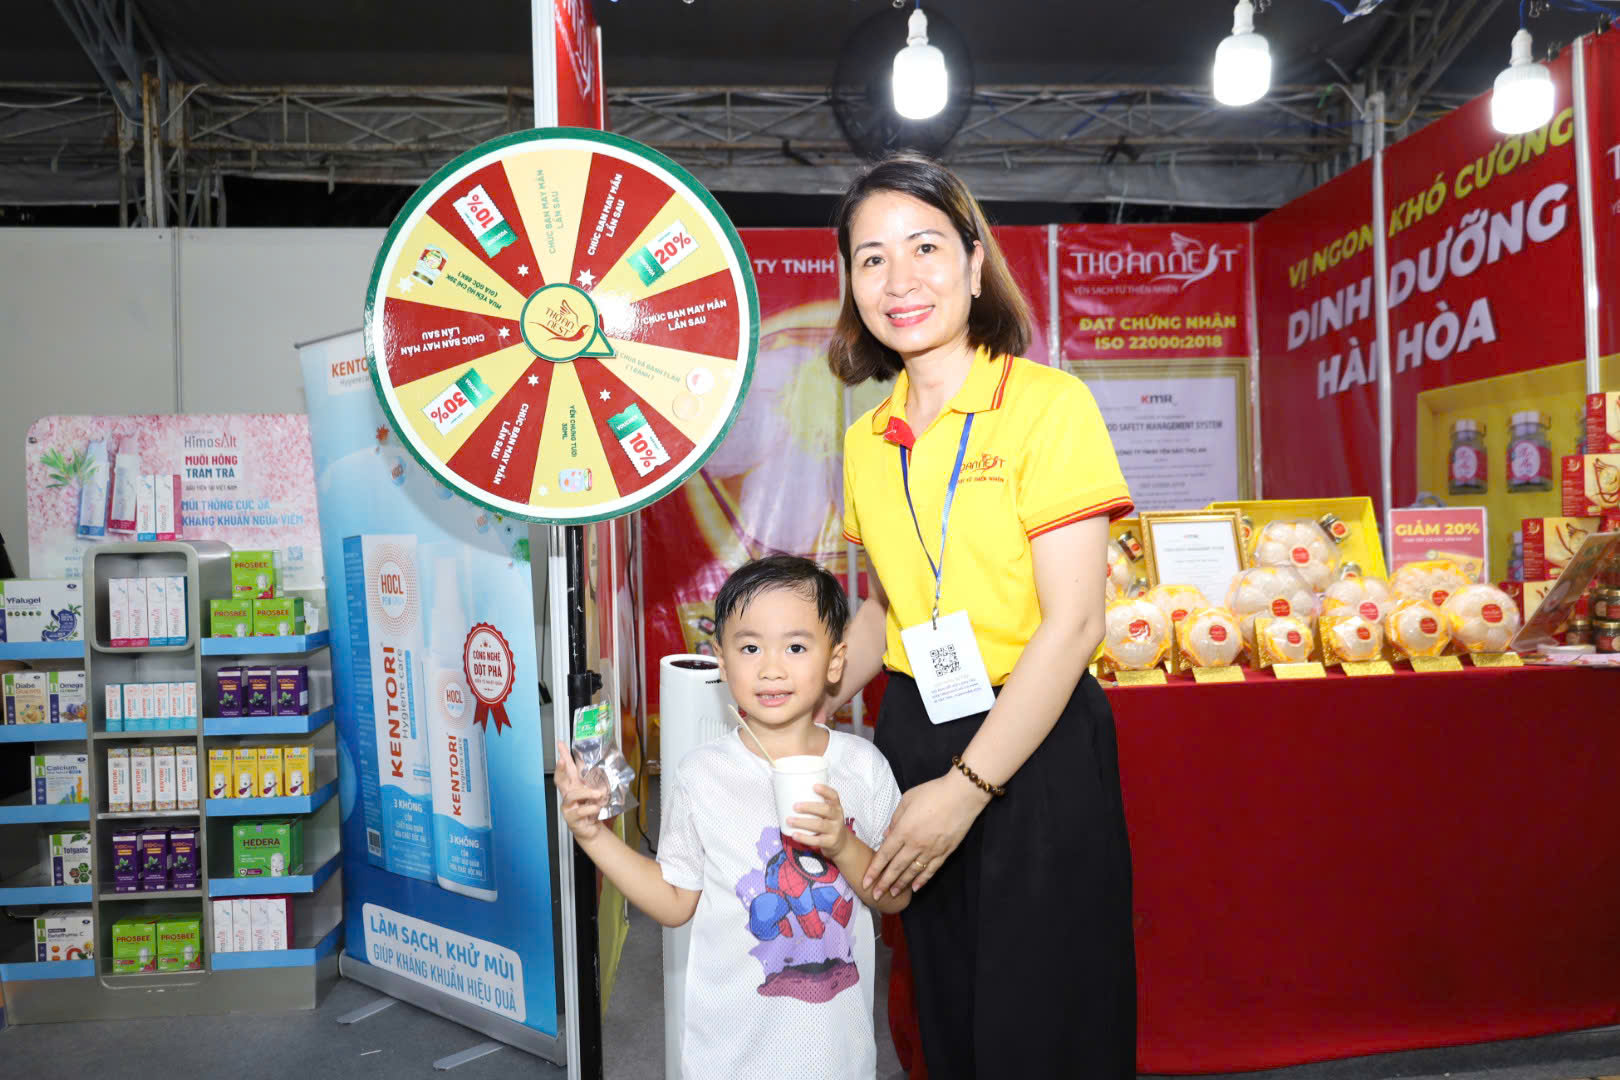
{"points": [[1021, 946]]}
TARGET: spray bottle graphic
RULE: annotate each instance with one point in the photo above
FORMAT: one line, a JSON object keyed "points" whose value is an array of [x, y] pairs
{"points": [[463, 849]]}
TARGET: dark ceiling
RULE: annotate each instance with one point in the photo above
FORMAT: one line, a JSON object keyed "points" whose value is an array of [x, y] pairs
{"points": [[745, 42]]}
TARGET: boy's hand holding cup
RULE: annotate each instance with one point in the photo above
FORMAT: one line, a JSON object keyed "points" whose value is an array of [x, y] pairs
{"points": [[820, 824]]}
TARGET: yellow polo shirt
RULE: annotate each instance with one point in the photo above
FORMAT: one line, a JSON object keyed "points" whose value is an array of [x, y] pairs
{"points": [[1038, 458]]}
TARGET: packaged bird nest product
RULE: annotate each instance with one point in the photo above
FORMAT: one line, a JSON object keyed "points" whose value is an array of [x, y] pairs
{"points": [[1303, 545], [1417, 628], [1177, 601], [1368, 597], [1209, 637], [1482, 618], [1278, 592], [1288, 640], [1353, 638], [1432, 581], [1119, 568], [1136, 635]]}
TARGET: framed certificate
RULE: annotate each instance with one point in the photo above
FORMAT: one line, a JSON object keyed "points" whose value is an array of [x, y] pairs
{"points": [[1193, 547]]}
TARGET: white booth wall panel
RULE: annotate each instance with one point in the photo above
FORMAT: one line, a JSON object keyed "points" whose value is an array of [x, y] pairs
{"points": [[249, 295], [88, 318]]}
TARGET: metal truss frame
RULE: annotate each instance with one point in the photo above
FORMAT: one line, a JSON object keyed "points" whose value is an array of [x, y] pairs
{"points": [[190, 135]]}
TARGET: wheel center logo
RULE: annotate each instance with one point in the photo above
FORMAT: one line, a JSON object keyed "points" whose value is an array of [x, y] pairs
{"points": [[560, 323]]}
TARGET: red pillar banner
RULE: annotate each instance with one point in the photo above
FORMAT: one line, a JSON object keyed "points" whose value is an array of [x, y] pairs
{"points": [[1603, 113], [1153, 292], [1027, 250], [580, 102], [1313, 285]]}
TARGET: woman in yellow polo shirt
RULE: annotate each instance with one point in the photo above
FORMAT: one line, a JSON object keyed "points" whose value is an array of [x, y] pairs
{"points": [[982, 490]]}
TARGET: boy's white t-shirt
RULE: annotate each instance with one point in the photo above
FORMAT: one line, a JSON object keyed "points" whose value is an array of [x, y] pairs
{"points": [[779, 980]]}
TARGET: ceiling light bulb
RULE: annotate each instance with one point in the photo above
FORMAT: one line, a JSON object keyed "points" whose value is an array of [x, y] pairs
{"points": [[921, 83], [1523, 98], [1242, 61]]}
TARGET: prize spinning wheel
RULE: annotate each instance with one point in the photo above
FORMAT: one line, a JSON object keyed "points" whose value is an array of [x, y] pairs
{"points": [[561, 325]]}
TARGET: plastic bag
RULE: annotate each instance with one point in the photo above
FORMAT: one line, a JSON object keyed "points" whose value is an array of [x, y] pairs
{"points": [[1209, 637], [1432, 581], [1287, 640], [1135, 635], [1351, 637], [1301, 545], [1482, 618], [1417, 628], [1369, 597], [602, 765], [1275, 591]]}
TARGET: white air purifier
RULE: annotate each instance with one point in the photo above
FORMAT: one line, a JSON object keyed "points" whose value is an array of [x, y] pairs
{"points": [[693, 707]]}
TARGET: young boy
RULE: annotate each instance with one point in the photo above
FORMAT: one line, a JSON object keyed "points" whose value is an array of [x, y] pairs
{"points": [[780, 976]]}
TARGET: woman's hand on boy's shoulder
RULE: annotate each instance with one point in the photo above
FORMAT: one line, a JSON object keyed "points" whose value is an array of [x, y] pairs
{"points": [[821, 824], [581, 803]]}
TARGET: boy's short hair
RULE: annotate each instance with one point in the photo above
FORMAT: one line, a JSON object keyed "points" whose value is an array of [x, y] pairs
{"points": [[783, 572]]}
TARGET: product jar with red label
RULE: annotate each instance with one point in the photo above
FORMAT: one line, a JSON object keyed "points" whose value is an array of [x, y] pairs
{"points": [[1606, 603], [1467, 470], [1529, 455], [1606, 635]]}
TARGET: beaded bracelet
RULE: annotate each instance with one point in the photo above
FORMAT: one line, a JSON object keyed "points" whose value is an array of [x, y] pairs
{"points": [[984, 785]]}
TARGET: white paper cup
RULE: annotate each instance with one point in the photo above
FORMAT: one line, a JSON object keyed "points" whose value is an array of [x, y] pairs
{"points": [[794, 780]]}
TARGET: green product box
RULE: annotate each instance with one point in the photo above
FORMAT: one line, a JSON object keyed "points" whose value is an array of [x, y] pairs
{"points": [[179, 943], [135, 945], [280, 616], [254, 574], [268, 848], [67, 858], [230, 617]]}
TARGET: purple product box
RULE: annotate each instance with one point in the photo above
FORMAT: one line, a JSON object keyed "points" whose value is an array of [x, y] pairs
{"points": [[154, 860], [292, 691], [259, 691], [230, 691], [126, 852], [183, 858]]}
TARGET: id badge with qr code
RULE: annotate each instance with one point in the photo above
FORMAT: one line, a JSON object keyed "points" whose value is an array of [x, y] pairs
{"points": [[949, 671]]}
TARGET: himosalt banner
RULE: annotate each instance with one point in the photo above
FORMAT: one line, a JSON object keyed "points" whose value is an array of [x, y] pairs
{"points": [[242, 479], [440, 750], [1153, 292], [1314, 294], [1603, 117], [579, 65], [1484, 280]]}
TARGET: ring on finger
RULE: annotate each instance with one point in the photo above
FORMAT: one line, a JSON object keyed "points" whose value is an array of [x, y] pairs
{"points": [[919, 864]]}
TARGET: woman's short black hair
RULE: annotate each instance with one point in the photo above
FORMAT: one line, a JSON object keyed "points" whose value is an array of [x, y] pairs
{"points": [[998, 318], [783, 572]]}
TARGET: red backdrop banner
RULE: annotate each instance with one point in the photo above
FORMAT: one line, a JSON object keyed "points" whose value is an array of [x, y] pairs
{"points": [[1313, 283], [1484, 258], [776, 483], [1153, 292]]}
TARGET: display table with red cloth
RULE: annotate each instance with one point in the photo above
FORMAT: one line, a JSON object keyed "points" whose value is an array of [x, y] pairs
{"points": [[1326, 869], [1330, 869]]}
